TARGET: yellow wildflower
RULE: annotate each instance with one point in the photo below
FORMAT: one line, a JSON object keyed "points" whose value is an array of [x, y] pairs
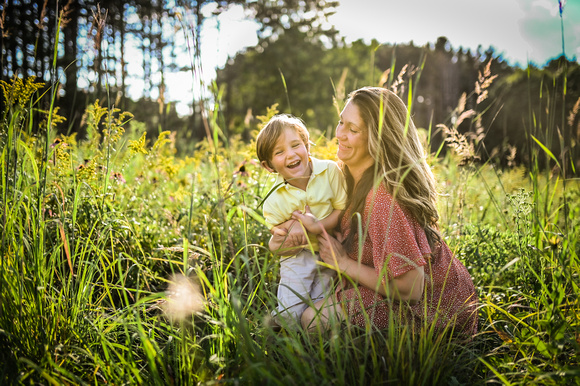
{"points": [[18, 91], [138, 146]]}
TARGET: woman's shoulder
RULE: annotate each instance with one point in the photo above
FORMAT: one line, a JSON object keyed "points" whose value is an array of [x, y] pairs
{"points": [[379, 193], [380, 201]]}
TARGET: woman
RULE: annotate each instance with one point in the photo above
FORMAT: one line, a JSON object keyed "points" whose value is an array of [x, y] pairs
{"points": [[398, 266]]}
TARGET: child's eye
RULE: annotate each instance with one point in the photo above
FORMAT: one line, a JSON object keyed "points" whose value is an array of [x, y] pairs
{"points": [[295, 145], [353, 130]]}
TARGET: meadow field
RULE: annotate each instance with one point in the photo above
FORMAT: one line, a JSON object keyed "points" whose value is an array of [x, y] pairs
{"points": [[126, 262]]}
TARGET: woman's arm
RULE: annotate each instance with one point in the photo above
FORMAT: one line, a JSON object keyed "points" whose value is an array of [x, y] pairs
{"points": [[407, 287], [290, 234]]}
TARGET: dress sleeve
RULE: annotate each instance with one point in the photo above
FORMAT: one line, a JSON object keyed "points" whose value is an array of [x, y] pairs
{"points": [[395, 239]]}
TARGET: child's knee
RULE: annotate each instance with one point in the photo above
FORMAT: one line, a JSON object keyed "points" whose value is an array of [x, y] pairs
{"points": [[307, 318]]}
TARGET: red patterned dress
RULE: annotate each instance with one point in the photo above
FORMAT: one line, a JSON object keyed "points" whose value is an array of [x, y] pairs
{"points": [[395, 244]]}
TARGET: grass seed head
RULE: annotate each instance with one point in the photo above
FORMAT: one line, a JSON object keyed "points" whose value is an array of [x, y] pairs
{"points": [[183, 298]]}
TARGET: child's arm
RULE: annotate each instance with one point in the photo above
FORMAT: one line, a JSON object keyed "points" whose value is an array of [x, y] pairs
{"points": [[315, 226]]}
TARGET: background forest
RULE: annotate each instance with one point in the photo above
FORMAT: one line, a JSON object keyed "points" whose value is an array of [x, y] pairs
{"points": [[133, 250], [297, 64]]}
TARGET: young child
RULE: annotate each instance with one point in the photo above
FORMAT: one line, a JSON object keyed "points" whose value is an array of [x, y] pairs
{"points": [[304, 184]]}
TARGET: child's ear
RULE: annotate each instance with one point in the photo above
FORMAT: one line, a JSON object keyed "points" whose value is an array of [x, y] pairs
{"points": [[266, 165]]}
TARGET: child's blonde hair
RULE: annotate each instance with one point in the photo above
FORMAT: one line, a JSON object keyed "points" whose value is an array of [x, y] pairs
{"points": [[270, 133]]}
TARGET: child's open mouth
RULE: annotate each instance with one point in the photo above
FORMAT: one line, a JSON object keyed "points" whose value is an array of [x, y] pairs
{"points": [[293, 165]]}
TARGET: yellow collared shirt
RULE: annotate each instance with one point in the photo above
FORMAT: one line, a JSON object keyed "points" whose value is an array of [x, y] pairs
{"points": [[325, 192]]}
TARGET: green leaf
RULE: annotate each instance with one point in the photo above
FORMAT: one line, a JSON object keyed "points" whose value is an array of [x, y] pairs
{"points": [[548, 152]]}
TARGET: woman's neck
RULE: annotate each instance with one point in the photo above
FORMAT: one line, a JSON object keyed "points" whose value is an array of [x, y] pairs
{"points": [[354, 179], [357, 173], [359, 168]]}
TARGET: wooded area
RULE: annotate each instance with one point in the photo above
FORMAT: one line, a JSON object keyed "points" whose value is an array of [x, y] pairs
{"points": [[299, 63]]}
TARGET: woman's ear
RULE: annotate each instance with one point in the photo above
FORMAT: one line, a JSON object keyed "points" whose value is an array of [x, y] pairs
{"points": [[266, 165]]}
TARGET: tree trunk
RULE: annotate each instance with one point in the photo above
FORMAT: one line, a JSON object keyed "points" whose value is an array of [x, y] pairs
{"points": [[69, 63], [122, 32]]}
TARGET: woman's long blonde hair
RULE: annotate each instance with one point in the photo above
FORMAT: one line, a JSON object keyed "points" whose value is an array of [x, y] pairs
{"points": [[400, 160]]}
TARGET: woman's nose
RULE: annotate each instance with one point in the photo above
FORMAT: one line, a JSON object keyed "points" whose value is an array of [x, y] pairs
{"points": [[339, 130]]}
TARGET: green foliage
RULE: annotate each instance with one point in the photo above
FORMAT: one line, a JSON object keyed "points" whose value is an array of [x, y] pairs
{"points": [[97, 232], [526, 268]]}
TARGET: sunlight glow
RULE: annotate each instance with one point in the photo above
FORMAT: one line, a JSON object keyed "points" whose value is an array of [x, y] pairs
{"points": [[183, 298], [221, 38]]}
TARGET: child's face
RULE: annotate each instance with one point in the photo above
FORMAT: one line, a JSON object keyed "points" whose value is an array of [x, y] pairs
{"points": [[290, 157]]}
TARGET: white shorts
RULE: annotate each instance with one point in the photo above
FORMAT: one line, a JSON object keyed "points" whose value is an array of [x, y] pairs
{"points": [[301, 281]]}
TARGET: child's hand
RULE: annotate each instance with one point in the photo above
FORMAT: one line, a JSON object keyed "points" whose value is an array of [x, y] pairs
{"points": [[287, 238], [309, 220], [279, 231]]}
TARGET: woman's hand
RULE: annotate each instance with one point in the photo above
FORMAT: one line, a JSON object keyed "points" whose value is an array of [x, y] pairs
{"points": [[332, 252]]}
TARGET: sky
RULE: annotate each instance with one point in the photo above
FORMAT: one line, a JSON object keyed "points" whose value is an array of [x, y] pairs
{"points": [[522, 31]]}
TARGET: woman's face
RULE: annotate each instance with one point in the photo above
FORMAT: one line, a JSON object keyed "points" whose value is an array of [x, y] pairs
{"points": [[352, 135]]}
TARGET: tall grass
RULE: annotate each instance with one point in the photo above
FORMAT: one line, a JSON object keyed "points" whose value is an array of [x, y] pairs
{"points": [[85, 270], [525, 259], [125, 263]]}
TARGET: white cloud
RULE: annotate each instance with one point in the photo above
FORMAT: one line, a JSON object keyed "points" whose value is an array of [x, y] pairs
{"points": [[545, 5]]}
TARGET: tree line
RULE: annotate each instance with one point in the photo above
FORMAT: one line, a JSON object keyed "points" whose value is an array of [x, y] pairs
{"points": [[496, 107], [300, 63], [82, 44]]}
